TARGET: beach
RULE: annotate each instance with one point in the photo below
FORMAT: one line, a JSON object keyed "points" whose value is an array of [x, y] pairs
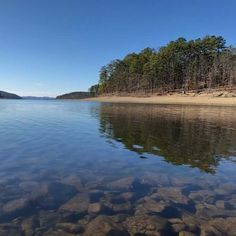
{"points": [[191, 99]]}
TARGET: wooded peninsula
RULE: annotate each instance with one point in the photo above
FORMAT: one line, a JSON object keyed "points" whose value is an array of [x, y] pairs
{"points": [[181, 65]]}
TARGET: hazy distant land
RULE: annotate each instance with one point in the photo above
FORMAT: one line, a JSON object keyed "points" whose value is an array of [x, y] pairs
{"points": [[76, 95], [37, 98], [7, 95]]}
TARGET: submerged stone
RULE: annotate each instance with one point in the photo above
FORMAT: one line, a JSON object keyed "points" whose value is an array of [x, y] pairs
{"points": [[16, 205], [28, 226], [122, 184], [225, 189], [48, 219], [57, 194], [95, 208], [208, 211], [219, 226], [186, 233], [128, 196], [70, 227], [15, 208], [78, 203], [130, 184], [122, 207], [10, 230], [156, 179], [202, 196], [171, 194], [147, 225], [220, 204], [105, 226], [120, 217], [57, 232], [178, 227], [74, 181], [154, 206]]}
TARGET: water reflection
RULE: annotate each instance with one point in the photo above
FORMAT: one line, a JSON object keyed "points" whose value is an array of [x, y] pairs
{"points": [[183, 135]]}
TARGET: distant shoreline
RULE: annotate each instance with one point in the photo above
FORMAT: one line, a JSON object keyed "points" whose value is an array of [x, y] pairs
{"points": [[174, 99]]}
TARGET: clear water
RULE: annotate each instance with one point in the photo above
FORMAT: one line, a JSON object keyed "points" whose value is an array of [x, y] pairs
{"points": [[177, 163]]}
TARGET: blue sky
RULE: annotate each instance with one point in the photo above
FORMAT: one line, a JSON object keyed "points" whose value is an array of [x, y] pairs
{"points": [[50, 47]]}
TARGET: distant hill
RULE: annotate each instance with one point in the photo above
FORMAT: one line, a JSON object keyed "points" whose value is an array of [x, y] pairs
{"points": [[76, 95], [9, 95], [37, 98]]}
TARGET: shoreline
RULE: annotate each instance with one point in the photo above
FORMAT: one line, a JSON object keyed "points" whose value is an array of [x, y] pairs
{"points": [[168, 100]]}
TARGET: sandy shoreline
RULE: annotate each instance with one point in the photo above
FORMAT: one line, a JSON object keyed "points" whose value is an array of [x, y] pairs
{"points": [[169, 99]]}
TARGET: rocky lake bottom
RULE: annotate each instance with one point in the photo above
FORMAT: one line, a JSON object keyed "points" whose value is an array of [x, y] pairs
{"points": [[82, 168]]}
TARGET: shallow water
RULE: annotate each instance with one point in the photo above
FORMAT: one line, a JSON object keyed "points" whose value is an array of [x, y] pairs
{"points": [[145, 168]]}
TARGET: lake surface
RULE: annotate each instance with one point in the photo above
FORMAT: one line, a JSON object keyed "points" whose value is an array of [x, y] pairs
{"points": [[88, 168]]}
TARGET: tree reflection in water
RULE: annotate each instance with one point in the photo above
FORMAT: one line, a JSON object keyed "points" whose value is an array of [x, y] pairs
{"points": [[184, 135]]}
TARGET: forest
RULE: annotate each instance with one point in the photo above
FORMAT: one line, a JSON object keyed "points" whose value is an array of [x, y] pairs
{"points": [[181, 65]]}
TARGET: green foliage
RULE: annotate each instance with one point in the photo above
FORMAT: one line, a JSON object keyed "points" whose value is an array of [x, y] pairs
{"points": [[181, 64], [94, 89]]}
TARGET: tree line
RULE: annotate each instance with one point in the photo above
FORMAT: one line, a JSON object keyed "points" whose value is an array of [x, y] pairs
{"points": [[180, 65]]}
